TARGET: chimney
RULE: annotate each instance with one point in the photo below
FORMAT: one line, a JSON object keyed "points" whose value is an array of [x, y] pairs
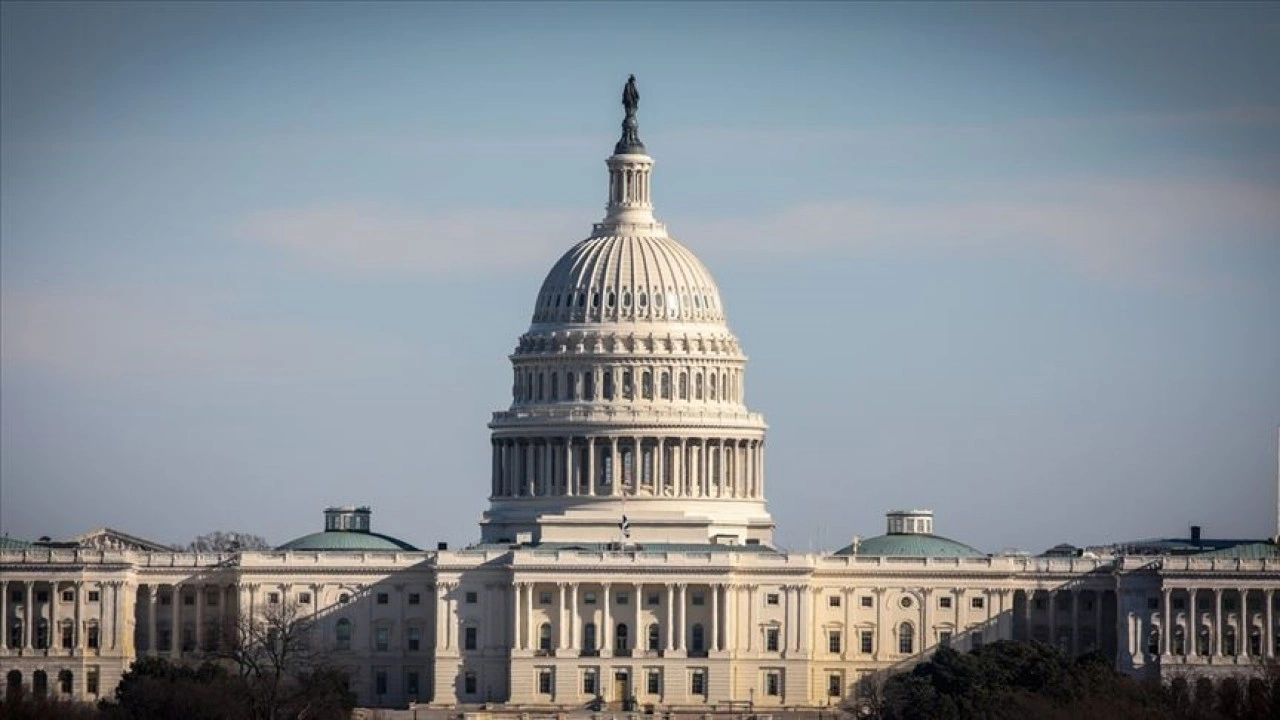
{"points": [[1195, 534]]}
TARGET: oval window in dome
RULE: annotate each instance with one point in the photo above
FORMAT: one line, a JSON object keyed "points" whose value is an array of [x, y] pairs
{"points": [[697, 302], [595, 300], [657, 299], [582, 299], [643, 300], [557, 299], [611, 299], [626, 299]]}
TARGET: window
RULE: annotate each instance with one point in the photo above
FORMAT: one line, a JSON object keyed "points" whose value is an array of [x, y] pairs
{"points": [[699, 599], [623, 598], [65, 681], [906, 639], [413, 638], [833, 601], [833, 641], [92, 638], [380, 682], [470, 597], [304, 598], [589, 682], [469, 683], [835, 685], [68, 596], [469, 638], [344, 598], [383, 598], [654, 642], [589, 598], [771, 639], [696, 644], [698, 682], [977, 603], [905, 601], [653, 682], [684, 386], [773, 683], [944, 638], [544, 636], [867, 641], [944, 601], [545, 681], [42, 596], [66, 638], [589, 637], [211, 598], [411, 684], [415, 599], [273, 598], [343, 634], [867, 601], [91, 681], [771, 599], [544, 598], [382, 639], [620, 638], [1178, 604], [16, 596], [1154, 604], [653, 599]]}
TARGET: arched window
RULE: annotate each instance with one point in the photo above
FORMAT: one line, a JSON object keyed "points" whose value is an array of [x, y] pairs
{"points": [[528, 386], [646, 385], [13, 684], [588, 386], [608, 385], [697, 386], [42, 634], [1179, 640], [343, 634], [628, 389], [541, 377], [1228, 640], [711, 386], [696, 643], [666, 385], [589, 637], [65, 682], [15, 634], [684, 386], [582, 299], [620, 640], [724, 386], [39, 683], [906, 638], [654, 643], [570, 386], [555, 386], [544, 636]]}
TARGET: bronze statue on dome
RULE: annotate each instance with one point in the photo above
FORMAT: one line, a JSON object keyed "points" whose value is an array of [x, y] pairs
{"points": [[630, 142]]}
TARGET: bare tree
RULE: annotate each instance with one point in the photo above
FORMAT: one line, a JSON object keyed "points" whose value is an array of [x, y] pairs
{"points": [[219, 541]]}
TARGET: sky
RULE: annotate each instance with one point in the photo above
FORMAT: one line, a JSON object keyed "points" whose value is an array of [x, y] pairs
{"points": [[1015, 263]]}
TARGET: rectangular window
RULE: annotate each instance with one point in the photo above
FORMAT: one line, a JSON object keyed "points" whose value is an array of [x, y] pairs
{"points": [[699, 599], [835, 685], [68, 596], [94, 596], [16, 596], [771, 639], [588, 682], [654, 681], [93, 637], [380, 682], [653, 599], [833, 601], [589, 598], [471, 597], [469, 638], [773, 683], [833, 641], [383, 598], [771, 599], [304, 598], [91, 681], [698, 682], [469, 684], [189, 599], [164, 599], [1178, 604], [211, 599], [867, 641], [273, 598], [415, 599], [382, 639], [414, 639], [944, 601], [868, 601], [411, 684], [944, 638], [977, 603], [546, 681], [623, 598], [544, 598]]}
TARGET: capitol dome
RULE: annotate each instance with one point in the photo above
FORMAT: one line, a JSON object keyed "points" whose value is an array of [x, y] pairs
{"points": [[628, 417]]}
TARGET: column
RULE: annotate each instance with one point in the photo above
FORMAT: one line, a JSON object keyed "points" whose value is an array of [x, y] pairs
{"points": [[1166, 623], [879, 593], [730, 616], [575, 624], [4, 614], [1269, 636], [115, 613], [682, 625], [1075, 622], [802, 635], [548, 468], [1217, 622], [199, 629], [495, 476], [751, 616], [659, 464], [1053, 618], [846, 599], [53, 637], [1027, 606], [1097, 620], [1192, 633], [671, 625], [614, 475], [77, 634], [517, 641], [175, 620], [606, 632], [926, 619], [681, 468], [1242, 633], [569, 488], [532, 638], [715, 617], [591, 465], [153, 598], [562, 641], [527, 468], [705, 462]]}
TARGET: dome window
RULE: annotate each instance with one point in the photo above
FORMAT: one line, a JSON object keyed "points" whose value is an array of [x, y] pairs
{"points": [[643, 300], [626, 299], [666, 385], [582, 299], [557, 299], [697, 302], [657, 299], [611, 300], [595, 300]]}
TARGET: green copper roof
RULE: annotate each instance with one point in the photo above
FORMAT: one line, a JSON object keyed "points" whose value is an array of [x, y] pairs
{"points": [[346, 540], [8, 543], [1247, 551], [911, 545]]}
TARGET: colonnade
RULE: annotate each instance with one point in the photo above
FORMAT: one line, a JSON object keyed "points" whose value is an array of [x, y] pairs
{"points": [[208, 616], [612, 466], [1071, 640], [1235, 615], [92, 623], [627, 383]]}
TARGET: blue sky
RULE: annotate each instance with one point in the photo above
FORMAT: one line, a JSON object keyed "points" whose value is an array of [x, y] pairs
{"points": [[1017, 263]]}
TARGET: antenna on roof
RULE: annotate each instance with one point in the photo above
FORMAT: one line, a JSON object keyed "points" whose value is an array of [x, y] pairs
{"points": [[1276, 540]]}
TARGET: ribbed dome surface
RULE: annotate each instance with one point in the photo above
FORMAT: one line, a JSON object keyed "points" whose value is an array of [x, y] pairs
{"points": [[346, 540], [910, 545], [628, 279]]}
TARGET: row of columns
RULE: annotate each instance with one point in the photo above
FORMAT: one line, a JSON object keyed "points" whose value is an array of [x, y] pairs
{"points": [[670, 467], [629, 186], [630, 384], [1219, 621], [177, 616], [27, 615], [1074, 645]]}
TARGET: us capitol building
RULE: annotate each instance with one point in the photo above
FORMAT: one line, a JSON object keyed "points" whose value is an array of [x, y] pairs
{"points": [[627, 553]]}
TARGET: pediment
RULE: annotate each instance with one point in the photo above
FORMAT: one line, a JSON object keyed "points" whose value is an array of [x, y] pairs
{"points": [[109, 539]]}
